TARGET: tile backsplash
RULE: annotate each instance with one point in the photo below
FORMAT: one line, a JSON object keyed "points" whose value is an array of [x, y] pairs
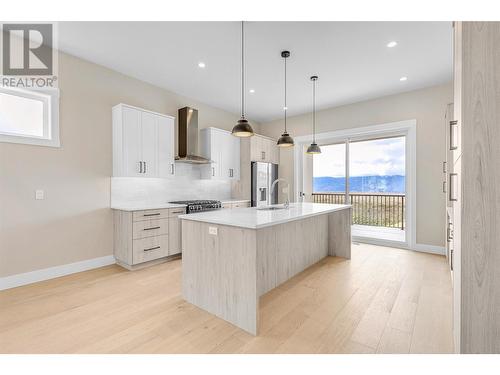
{"points": [[187, 184]]}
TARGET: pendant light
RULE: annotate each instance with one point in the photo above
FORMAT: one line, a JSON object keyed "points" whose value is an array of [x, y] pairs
{"points": [[242, 128], [314, 148], [285, 140]]}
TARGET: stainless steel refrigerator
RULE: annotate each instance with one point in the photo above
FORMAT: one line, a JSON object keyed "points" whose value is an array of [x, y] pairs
{"points": [[263, 175]]}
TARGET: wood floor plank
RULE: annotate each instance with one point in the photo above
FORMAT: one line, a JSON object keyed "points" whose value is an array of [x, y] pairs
{"points": [[394, 341], [383, 299]]}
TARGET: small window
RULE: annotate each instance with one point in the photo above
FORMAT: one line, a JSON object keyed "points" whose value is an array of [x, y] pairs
{"points": [[29, 117]]}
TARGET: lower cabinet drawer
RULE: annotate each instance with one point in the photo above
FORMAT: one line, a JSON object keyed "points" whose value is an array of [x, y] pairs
{"points": [[149, 228], [149, 248], [150, 214]]}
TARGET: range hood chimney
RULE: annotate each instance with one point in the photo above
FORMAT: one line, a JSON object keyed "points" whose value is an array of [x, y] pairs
{"points": [[188, 137]]}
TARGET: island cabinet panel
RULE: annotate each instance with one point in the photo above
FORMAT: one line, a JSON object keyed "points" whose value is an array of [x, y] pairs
{"points": [[285, 250], [339, 238], [219, 272], [226, 267]]}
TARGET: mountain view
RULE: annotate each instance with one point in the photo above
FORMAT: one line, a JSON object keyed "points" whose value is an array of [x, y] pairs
{"points": [[361, 184]]}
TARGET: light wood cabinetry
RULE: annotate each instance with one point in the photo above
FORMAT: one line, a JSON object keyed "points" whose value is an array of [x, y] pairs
{"points": [[175, 231], [143, 143], [146, 236], [223, 149], [473, 189]]}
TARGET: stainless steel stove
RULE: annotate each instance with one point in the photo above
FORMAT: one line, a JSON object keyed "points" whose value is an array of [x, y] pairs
{"points": [[193, 206]]}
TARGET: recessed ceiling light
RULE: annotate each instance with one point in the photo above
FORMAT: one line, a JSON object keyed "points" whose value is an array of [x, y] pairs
{"points": [[201, 64], [403, 78], [251, 91], [392, 44]]}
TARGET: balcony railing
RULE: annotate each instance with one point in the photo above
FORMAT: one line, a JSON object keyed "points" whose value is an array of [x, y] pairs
{"points": [[376, 209]]}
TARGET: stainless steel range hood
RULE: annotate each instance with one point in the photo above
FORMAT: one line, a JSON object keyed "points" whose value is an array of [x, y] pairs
{"points": [[188, 137]]}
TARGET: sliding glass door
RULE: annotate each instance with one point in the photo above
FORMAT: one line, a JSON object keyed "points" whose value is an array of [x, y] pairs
{"points": [[369, 174], [329, 174]]}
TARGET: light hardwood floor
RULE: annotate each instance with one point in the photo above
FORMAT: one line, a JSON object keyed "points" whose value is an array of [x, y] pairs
{"points": [[384, 300]]}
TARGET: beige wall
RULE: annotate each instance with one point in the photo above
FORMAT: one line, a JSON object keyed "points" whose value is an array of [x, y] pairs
{"points": [[428, 107], [74, 221]]}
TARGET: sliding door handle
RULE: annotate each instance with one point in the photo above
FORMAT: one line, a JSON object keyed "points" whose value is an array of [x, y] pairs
{"points": [[453, 135], [453, 187]]}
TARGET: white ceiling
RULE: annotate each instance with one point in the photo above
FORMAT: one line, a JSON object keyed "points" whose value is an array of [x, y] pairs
{"points": [[350, 58]]}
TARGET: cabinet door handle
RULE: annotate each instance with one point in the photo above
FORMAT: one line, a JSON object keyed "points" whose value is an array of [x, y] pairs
{"points": [[263, 155], [153, 248], [452, 187], [451, 259], [144, 167], [213, 171], [155, 214], [140, 167], [444, 167], [152, 228], [453, 135], [172, 168], [444, 186]]}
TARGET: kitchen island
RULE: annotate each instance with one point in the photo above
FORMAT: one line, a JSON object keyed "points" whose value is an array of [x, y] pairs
{"points": [[232, 257]]}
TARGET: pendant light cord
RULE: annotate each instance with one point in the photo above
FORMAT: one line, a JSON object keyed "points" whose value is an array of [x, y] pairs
{"points": [[286, 109], [242, 71], [314, 111]]}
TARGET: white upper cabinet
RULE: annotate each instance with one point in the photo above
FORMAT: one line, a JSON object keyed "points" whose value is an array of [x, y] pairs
{"points": [[143, 143], [223, 149], [264, 149]]}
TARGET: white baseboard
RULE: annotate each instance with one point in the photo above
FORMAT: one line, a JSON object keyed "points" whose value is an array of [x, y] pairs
{"points": [[432, 249], [53, 272]]}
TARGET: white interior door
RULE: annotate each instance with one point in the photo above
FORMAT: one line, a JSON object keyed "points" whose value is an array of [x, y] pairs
{"points": [[132, 139]]}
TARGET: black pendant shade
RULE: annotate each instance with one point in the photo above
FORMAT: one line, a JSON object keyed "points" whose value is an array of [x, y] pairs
{"points": [[285, 140], [242, 128], [313, 147]]}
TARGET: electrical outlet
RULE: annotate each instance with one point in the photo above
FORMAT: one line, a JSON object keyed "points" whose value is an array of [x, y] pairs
{"points": [[212, 230], [39, 195]]}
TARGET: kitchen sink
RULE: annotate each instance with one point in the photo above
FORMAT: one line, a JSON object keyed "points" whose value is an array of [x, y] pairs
{"points": [[271, 208]]}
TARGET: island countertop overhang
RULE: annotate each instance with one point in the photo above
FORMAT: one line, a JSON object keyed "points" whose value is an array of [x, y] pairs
{"points": [[253, 218]]}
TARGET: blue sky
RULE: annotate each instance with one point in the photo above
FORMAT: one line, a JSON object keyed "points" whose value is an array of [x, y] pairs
{"points": [[380, 157]]}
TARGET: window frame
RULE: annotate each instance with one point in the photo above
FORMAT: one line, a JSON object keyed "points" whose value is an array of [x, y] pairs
{"points": [[50, 101]]}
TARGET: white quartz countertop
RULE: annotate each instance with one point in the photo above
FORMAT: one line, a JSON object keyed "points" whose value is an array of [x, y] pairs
{"points": [[145, 206], [235, 201], [252, 218]]}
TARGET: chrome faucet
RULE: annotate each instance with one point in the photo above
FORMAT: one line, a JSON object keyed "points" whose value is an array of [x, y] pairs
{"points": [[287, 202]]}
